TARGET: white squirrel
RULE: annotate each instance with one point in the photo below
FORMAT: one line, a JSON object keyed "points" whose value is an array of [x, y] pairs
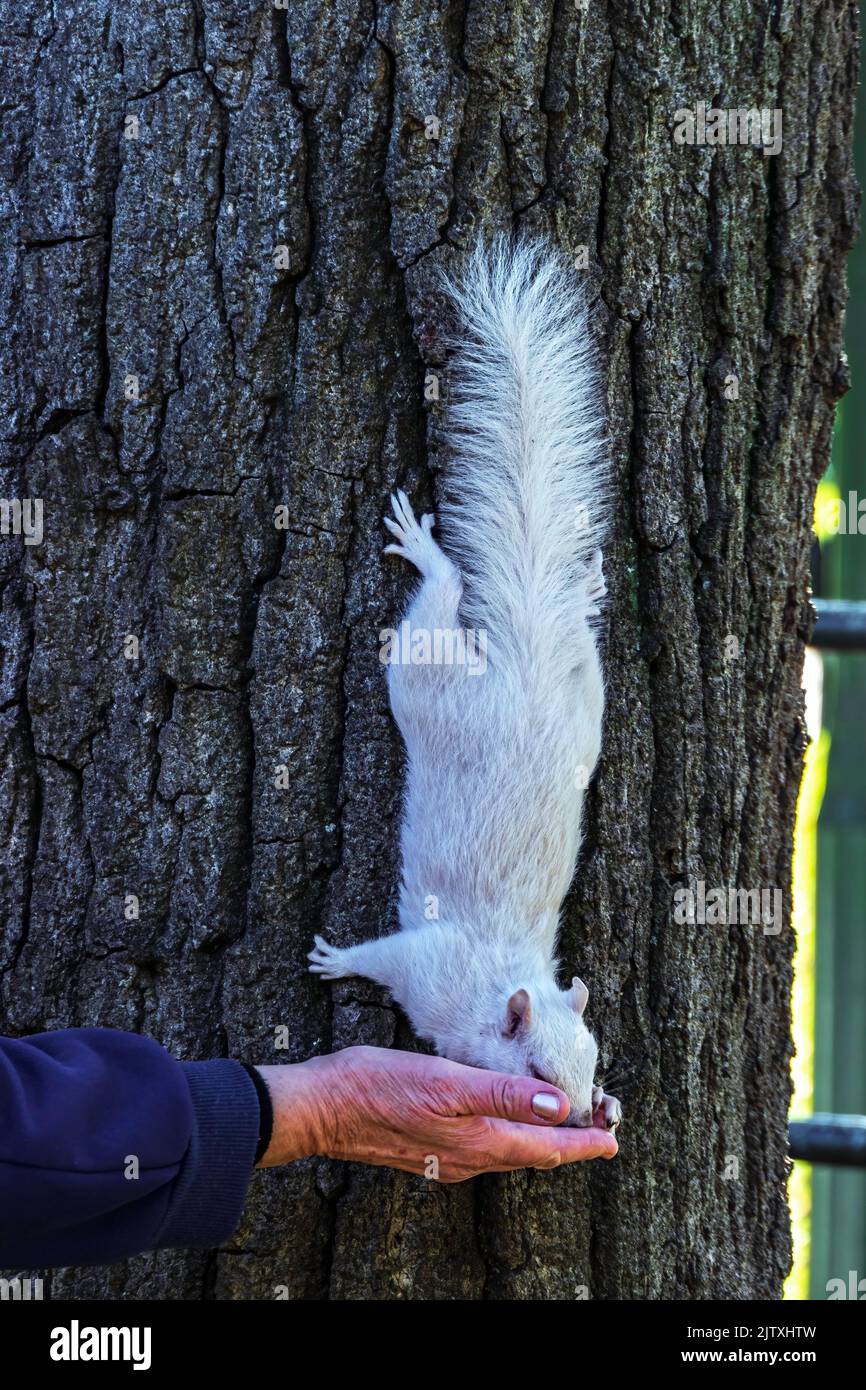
{"points": [[498, 759]]}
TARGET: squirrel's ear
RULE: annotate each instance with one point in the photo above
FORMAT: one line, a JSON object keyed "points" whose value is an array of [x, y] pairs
{"points": [[518, 1014], [579, 995]]}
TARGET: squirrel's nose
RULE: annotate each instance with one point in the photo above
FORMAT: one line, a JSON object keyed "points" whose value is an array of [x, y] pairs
{"points": [[579, 1119]]}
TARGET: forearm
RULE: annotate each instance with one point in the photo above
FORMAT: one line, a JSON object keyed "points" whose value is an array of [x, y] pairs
{"points": [[110, 1146]]}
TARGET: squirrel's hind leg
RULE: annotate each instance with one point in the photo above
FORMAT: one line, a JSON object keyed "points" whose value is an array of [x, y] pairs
{"points": [[414, 540], [437, 599], [595, 587], [588, 691]]}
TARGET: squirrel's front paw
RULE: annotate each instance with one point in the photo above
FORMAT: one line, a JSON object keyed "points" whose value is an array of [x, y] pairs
{"points": [[328, 961], [606, 1110]]}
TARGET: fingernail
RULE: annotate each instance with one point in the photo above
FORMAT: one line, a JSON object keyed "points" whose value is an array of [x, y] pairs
{"points": [[545, 1105]]}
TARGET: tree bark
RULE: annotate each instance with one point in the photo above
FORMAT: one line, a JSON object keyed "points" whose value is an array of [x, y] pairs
{"points": [[171, 377]]}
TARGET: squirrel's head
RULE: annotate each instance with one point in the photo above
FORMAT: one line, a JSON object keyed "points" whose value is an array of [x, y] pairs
{"points": [[542, 1034]]}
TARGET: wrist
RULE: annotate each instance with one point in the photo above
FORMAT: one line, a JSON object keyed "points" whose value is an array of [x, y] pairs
{"points": [[298, 1092]]}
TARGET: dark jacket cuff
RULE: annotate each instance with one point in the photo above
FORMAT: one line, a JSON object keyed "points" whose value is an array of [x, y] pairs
{"points": [[208, 1195]]}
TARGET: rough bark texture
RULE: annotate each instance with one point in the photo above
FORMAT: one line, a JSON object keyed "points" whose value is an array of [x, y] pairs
{"points": [[299, 380]]}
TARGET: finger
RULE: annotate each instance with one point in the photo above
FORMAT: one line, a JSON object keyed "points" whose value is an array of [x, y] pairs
{"points": [[588, 1143], [528, 1146], [520, 1098]]}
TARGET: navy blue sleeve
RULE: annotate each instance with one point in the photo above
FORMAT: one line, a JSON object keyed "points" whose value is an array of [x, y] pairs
{"points": [[109, 1146]]}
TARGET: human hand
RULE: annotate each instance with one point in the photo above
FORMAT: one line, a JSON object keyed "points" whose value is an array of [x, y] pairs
{"points": [[422, 1114]]}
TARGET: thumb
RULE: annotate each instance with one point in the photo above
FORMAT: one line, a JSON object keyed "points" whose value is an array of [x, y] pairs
{"points": [[519, 1098]]}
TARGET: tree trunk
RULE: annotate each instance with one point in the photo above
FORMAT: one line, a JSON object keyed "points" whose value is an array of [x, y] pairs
{"points": [[221, 226]]}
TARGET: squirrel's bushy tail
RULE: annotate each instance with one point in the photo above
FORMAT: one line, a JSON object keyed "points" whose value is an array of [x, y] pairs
{"points": [[528, 482]]}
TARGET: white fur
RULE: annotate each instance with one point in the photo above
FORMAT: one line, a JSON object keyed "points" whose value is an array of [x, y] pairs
{"points": [[497, 761]]}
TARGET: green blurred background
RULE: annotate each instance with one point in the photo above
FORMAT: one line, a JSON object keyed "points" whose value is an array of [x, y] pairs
{"points": [[829, 1204]]}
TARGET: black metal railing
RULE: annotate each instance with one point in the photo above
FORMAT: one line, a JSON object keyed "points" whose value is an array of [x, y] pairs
{"points": [[836, 1139], [841, 625]]}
